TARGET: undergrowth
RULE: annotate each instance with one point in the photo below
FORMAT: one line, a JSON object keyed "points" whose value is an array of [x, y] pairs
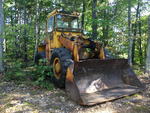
{"points": [[39, 75]]}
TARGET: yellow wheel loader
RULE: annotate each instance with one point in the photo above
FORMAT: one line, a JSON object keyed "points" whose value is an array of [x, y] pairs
{"points": [[79, 63]]}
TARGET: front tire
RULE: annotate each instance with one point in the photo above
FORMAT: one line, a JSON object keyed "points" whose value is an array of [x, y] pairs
{"points": [[60, 60]]}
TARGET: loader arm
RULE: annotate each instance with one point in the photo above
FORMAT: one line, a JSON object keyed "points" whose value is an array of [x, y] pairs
{"points": [[76, 43]]}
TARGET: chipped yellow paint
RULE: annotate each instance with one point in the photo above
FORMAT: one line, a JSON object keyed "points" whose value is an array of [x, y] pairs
{"points": [[69, 75], [102, 55]]}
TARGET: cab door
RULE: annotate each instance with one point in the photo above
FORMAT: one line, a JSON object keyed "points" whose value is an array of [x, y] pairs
{"points": [[49, 40]]}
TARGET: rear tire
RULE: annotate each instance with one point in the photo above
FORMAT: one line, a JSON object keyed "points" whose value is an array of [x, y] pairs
{"points": [[40, 55], [61, 57]]}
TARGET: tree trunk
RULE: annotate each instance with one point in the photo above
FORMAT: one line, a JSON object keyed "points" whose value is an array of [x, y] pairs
{"points": [[133, 51], [138, 28], [83, 15], [75, 5], [148, 49], [94, 18], [140, 45], [1, 36], [129, 34], [25, 36], [105, 27], [134, 31], [16, 36], [36, 30]]}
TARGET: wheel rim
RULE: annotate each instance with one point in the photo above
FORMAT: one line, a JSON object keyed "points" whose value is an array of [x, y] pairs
{"points": [[57, 68]]}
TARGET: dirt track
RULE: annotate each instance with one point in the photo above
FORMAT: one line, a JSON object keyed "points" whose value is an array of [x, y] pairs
{"points": [[25, 98]]}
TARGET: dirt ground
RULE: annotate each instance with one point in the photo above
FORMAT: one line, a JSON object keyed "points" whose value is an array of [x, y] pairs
{"points": [[26, 98]]}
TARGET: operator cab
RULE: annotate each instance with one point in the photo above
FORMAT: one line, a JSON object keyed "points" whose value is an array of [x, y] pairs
{"points": [[63, 22]]}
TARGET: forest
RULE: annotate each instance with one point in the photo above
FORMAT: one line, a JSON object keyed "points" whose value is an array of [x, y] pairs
{"points": [[121, 26]]}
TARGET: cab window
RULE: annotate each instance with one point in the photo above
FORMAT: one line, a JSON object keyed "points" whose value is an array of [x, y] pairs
{"points": [[50, 24], [64, 21]]}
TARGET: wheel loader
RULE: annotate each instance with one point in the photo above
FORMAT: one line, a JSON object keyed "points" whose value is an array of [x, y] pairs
{"points": [[80, 64]]}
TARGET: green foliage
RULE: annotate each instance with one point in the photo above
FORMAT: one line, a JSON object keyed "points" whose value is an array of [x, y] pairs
{"points": [[15, 71], [20, 32], [138, 70], [41, 76], [36, 75]]}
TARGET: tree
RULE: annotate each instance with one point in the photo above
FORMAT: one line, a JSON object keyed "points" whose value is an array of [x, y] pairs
{"points": [[83, 14], [36, 29], [108, 21], [94, 19], [148, 49], [139, 28], [1, 36], [130, 54], [135, 33]]}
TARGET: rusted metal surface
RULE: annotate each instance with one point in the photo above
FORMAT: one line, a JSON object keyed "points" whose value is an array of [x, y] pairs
{"points": [[72, 46], [67, 43], [97, 81], [107, 95], [71, 88]]}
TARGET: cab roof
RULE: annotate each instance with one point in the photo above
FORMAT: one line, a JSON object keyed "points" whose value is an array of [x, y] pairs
{"points": [[56, 11]]}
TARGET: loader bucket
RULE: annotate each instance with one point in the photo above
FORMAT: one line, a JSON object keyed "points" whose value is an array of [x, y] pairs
{"points": [[96, 81]]}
